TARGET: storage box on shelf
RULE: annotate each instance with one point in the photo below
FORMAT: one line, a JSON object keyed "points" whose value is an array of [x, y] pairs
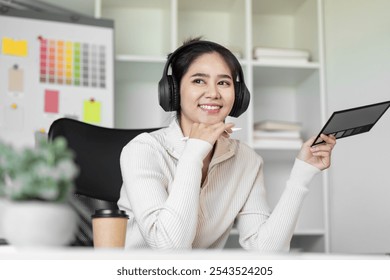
{"points": [[281, 89]]}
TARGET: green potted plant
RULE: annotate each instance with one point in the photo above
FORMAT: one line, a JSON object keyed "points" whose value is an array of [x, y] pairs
{"points": [[35, 184]]}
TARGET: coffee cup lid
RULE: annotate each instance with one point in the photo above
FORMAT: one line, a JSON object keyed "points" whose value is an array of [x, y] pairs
{"points": [[110, 213]]}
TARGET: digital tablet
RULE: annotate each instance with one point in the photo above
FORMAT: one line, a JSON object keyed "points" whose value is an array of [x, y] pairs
{"points": [[352, 121]]}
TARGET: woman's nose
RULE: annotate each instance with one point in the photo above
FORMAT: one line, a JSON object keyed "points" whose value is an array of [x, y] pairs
{"points": [[213, 92]]}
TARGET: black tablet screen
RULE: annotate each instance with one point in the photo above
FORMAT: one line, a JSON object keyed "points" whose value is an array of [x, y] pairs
{"points": [[353, 121]]}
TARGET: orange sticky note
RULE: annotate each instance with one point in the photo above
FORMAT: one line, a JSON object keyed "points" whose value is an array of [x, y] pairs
{"points": [[92, 112], [51, 101], [14, 47]]}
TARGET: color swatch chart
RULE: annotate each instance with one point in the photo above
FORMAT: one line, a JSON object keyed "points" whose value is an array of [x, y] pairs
{"points": [[72, 63]]}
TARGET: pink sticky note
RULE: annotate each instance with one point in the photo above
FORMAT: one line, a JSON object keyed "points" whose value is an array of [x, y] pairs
{"points": [[51, 101]]}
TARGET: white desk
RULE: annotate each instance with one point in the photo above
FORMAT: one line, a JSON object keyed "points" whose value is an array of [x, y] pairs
{"points": [[60, 253], [88, 263]]}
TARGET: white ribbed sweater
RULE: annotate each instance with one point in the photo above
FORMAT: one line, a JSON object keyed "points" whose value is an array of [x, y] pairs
{"points": [[169, 209]]}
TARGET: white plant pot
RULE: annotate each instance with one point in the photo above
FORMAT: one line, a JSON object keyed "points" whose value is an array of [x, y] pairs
{"points": [[34, 223]]}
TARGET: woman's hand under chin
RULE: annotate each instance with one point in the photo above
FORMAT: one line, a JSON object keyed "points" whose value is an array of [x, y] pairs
{"points": [[320, 155], [210, 132]]}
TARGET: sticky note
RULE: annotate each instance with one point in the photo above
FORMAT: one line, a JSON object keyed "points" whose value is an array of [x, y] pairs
{"points": [[14, 47], [51, 101], [92, 111], [15, 79]]}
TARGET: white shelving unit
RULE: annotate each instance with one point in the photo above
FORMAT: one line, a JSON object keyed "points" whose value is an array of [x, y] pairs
{"points": [[146, 31]]}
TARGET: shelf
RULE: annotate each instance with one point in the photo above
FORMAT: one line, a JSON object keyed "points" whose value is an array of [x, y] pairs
{"points": [[140, 4], [286, 24], [292, 65], [289, 75], [276, 146], [139, 58]]}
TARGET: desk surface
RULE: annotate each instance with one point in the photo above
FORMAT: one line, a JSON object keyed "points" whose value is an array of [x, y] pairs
{"points": [[89, 263], [71, 253]]}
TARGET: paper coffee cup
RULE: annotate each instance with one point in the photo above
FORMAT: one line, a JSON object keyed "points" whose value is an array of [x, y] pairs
{"points": [[109, 228]]}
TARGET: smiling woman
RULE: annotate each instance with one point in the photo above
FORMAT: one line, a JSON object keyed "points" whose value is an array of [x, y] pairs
{"points": [[206, 91], [188, 194]]}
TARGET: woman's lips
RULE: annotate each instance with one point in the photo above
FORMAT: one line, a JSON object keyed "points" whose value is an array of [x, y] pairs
{"points": [[211, 108]]}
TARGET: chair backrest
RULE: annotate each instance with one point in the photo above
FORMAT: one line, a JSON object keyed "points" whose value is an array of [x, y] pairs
{"points": [[97, 150]]}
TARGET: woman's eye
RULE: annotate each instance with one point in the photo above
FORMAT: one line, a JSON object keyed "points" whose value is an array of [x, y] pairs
{"points": [[198, 81], [224, 83]]}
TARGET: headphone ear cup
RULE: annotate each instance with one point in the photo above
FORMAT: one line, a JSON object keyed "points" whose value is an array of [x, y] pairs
{"points": [[168, 96], [246, 97], [237, 100], [164, 93], [175, 94], [241, 100]]}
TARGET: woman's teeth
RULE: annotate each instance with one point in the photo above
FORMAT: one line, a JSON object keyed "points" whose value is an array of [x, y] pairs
{"points": [[209, 107]]}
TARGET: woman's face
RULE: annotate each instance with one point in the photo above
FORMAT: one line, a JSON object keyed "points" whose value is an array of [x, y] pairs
{"points": [[206, 91]]}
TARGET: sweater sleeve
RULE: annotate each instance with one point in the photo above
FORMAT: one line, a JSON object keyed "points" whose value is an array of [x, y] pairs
{"points": [[166, 220], [273, 231]]}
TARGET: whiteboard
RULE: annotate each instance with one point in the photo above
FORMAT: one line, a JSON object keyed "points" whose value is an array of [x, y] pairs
{"points": [[53, 66]]}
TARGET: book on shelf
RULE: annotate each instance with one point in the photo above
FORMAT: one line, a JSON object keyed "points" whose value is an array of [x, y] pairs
{"points": [[293, 144], [277, 125], [276, 134], [271, 134], [282, 60], [281, 56], [280, 52]]}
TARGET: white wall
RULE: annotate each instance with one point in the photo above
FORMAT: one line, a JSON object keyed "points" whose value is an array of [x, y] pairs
{"points": [[358, 73]]}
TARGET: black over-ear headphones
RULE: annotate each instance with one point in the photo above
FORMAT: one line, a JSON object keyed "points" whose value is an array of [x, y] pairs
{"points": [[169, 91]]}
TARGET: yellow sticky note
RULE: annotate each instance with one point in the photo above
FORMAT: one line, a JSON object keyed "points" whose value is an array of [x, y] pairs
{"points": [[14, 47], [92, 112]]}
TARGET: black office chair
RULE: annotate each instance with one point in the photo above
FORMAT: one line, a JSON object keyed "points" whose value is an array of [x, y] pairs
{"points": [[97, 151]]}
